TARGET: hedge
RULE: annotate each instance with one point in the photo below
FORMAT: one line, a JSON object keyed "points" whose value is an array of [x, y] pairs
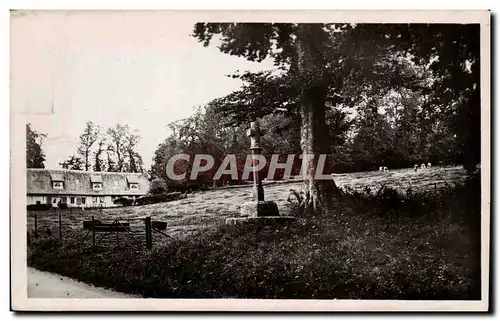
{"points": [[39, 207], [159, 198]]}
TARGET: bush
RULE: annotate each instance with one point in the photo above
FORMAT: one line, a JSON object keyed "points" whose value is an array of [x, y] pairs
{"points": [[39, 207], [167, 197], [158, 186], [202, 184], [123, 201]]}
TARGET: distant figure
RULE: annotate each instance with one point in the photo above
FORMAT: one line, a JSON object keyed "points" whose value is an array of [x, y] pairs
{"points": [[423, 166], [83, 207], [380, 168], [386, 169], [428, 165], [415, 167]]}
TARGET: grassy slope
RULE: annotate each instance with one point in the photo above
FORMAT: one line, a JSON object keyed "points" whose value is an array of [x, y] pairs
{"points": [[208, 209], [367, 247]]}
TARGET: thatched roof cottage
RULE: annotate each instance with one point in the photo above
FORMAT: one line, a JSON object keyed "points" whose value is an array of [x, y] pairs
{"points": [[77, 188]]}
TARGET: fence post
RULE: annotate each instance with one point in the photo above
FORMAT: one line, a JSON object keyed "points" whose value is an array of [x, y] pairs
{"points": [[60, 227], [149, 235], [93, 233], [36, 227], [435, 189]]}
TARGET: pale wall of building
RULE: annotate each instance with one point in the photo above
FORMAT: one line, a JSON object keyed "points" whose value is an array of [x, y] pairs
{"points": [[76, 200]]}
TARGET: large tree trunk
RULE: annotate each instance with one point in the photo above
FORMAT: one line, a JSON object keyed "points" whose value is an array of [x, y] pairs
{"points": [[314, 134], [314, 142]]}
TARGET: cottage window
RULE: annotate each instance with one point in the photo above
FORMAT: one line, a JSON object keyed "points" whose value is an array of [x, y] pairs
{"points": [[94, 199], [58, 185], [83, 200], [97, 186], [72, 200]]}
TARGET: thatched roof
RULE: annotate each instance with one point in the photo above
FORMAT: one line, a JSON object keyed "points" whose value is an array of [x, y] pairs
{"points": [[133, 179], [39, 181], [96, 178], [57, 177]]}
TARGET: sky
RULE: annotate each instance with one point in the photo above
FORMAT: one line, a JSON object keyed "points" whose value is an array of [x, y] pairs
{"points": [[137, 68]]}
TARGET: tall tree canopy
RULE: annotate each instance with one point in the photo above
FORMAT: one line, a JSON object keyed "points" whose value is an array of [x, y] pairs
{"points": [[112, 150], [321, 67], [87, 139], [452, 53], [74, 163], [208, 132], [318, 65]]}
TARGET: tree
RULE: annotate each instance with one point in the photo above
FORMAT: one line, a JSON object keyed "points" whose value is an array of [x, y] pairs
{"points": [[298, 48], [87, 139], [452, 53], [117, 144], [35, 156], [98, 161], [374, 142], [111, 166], [316, 65], [209, 132], [122, 156], [135, 163], [338, 65], [157, 186], [73, 162]]}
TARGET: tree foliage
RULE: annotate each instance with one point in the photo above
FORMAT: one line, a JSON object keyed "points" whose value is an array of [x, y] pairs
{"points": [[111, 150], [35, 156], [208, 132], [157, 186], [74, 163], [87, 139], [452, 53], [433, 68]]}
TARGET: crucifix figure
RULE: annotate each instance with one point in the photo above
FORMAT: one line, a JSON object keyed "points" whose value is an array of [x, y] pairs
{"points": [[254, 133]]}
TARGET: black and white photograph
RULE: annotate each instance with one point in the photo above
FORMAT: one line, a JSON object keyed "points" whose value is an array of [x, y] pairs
{"points": [[250, 161]]}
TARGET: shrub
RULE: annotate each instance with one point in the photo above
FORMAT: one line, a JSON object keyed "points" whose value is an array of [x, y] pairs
{"points": [[142, 200], [39, 207], [123, 201], [158, 186], [201, 184], [166, 197]]}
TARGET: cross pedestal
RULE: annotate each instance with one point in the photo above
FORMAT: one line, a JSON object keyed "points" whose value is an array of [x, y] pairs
{"points": [[254, 133], [259, 210]]}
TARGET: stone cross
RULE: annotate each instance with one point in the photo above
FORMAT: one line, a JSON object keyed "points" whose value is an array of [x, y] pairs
{"points": [[254, 133]]}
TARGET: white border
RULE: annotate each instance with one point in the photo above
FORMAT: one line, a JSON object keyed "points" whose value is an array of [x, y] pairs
{"points": [[20, 301]]}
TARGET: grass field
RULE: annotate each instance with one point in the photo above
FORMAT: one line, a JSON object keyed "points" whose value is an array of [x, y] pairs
{"points": [[369, 246], [208, 209]]}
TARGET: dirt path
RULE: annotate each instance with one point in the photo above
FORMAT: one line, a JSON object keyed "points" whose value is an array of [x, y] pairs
{"points": [[48, 285]]}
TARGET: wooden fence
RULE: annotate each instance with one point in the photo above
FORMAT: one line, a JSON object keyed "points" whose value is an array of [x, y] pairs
{"points": [[141, 231]]}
